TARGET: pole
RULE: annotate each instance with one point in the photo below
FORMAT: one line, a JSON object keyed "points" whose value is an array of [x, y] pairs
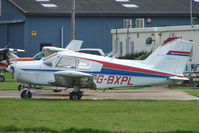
{"points": [[62, 36], [73, 21], [191, 17]]}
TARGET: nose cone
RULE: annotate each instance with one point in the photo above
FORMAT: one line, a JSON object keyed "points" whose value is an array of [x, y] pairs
{"points": [[25, 71]]}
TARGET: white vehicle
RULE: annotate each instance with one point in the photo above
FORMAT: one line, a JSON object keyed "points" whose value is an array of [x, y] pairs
{"points": [[92, 51], [69, 69]]}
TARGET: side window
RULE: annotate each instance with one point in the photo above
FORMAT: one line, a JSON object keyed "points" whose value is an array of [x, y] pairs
{"points": [[66, 62], [49, 60], [84, 64]]}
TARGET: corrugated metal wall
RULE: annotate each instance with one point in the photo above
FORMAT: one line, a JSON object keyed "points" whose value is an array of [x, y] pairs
{"points": [[94, 31], [10, 12], [10, 30], [47, 29], [3, 35]]}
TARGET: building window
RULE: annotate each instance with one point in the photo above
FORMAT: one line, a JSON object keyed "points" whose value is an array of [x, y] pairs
{"points": [[120, 50], [139, 23], [127, 23]]}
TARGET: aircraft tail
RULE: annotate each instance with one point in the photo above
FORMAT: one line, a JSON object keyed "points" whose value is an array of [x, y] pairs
{"points": [[74, 45], [171, 56]]}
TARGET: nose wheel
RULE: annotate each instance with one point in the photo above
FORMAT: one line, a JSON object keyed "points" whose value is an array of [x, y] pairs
{"points": [[26, 94]]}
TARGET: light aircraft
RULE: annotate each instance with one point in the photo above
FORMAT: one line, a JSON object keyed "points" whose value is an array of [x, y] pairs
{"points": [[69, 69], [5, 55]]}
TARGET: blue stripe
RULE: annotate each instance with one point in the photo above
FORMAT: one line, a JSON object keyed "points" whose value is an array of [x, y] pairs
{"points": [[41, 70], [107, 71], [177, 54]]}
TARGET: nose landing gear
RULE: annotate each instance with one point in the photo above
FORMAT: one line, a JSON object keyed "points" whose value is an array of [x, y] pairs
{"points": [[26, 92]]}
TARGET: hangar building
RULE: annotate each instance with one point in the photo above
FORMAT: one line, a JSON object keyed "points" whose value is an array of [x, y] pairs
{"points": [[30, 24]]}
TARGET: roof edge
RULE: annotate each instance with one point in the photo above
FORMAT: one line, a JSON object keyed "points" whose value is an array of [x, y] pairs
{"points": [[109, 15], [21, 9]]}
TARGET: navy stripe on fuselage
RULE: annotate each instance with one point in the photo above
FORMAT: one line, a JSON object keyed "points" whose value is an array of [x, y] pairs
{"points": [[41, 70], [106, 71]]}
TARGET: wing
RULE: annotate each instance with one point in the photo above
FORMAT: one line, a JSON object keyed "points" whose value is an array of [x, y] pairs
{"points": [[73, 78], [11, 50]]}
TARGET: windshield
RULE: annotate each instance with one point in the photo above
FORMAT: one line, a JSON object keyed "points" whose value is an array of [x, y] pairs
{"points": [[12, 56], [50, 59], [47, 52], [39, 56]]}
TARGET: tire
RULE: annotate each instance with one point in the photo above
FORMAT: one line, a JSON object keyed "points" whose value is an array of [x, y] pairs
{"points": [[2, 78], [74, 96], [25, 94], [80, 94], [57, 90]]}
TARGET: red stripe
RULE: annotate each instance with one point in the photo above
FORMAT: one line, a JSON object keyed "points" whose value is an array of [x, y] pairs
{"points": [[179, 52], [3, 65], [128, 68], [169, 40]]}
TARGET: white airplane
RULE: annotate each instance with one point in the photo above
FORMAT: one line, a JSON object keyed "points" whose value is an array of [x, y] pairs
{"points": [[69, 69]]}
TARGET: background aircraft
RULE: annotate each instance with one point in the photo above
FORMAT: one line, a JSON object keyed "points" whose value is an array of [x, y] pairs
{"points": [[5, 55], [69, 69]]}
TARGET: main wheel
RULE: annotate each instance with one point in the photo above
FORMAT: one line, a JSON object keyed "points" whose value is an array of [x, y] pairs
{"points": [[2, 78], [75, 95], [26, 94], [57, 90]]}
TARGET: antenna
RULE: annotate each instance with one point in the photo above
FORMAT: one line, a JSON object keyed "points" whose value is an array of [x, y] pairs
{"points": [[8, 45]]}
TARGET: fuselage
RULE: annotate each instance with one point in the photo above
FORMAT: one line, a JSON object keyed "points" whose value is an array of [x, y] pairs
{"points": [[107, 72]]}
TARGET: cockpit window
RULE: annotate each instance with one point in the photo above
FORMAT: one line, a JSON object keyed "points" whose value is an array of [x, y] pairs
{"points": [[39, 56], [12, 56], [84, 64], [67, 62], [50, 59]]}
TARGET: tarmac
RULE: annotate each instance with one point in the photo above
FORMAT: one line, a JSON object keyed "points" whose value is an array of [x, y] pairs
{"points": [[147, 93]]}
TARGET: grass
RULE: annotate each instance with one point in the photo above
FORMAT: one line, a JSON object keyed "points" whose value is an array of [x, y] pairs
{"points": [[9, 84], [194, 92], [181, 88], [98, 116]]}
